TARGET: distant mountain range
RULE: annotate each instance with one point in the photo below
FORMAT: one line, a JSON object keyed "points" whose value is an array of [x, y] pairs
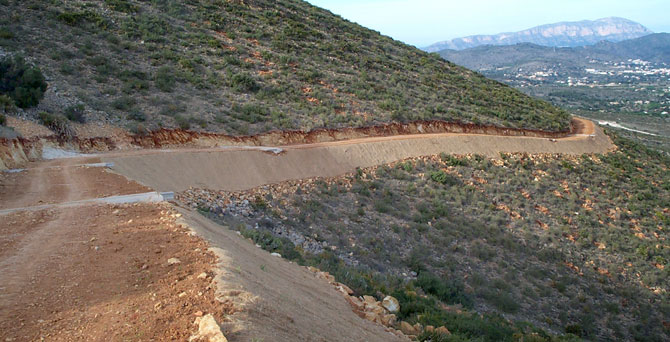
{"points": [[653, 48], [564, 34]]}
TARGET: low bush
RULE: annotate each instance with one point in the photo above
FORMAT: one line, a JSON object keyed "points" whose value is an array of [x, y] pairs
{"points": [[75, 113], [57, 123], [244, 83], [164, 79]]}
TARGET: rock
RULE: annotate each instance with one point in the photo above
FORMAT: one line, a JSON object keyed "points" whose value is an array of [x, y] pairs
{"points": [[276, 255], [389, 320], [326, 276], [407, 328], [173, 261], [418, 328], [391, 304], [344, 289], [354, 302], [202, 275], [369, 300], [208, 330], [198, 314], [430, 329], [443, 330]]}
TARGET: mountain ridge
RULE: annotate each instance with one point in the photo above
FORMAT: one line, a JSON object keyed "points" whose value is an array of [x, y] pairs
{"points": [[561, 34], [653, 48]]}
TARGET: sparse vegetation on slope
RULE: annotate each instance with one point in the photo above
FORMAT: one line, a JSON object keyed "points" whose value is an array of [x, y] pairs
{"points": [[248, 67], [572, 244]]}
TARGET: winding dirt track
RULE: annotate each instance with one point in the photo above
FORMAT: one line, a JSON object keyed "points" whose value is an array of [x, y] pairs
{"points": [[99, 272], [242, 168]]}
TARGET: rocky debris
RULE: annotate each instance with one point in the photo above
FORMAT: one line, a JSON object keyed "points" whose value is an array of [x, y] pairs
{"points": [[173, 261], [208, 330], [366, 307], [391, 304]]}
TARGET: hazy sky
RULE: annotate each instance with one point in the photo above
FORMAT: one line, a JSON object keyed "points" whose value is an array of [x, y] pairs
{"points": [[423, 22]]}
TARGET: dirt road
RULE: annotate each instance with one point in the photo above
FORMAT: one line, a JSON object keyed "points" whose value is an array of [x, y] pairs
{"points": [[96, 273], [101, 272], [237, 168]]}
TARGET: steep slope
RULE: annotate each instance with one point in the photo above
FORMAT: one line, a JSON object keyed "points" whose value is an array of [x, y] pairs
{"points": [[563, 34], [244, 67], [572, 244]]}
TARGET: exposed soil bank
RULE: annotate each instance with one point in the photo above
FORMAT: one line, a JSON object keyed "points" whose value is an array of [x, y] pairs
{"points": [[240, 169], [15, 153]]}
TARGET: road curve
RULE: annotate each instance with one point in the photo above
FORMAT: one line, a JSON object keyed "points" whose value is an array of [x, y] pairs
{"points": [[242, 168]]}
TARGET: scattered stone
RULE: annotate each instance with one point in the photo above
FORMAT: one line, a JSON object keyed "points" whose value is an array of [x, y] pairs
{"points": [[208, 330], [443, 330], [391, 304], [202, 275], [407, 328], [173, 261], [276, 255]]}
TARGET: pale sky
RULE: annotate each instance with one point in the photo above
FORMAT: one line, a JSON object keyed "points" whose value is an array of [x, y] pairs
{"points": [[423, 22]]}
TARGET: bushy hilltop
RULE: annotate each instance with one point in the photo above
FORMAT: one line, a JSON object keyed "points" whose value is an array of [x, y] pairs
{"points": [[244, 67]]}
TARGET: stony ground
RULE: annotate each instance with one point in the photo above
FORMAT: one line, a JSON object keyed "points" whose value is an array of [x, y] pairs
{"points": [[97, 273]]}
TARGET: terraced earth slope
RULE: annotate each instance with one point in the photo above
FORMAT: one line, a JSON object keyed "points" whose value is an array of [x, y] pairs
{"points": [[244, 67]]}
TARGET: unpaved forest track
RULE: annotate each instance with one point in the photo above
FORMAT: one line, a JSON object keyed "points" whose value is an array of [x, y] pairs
{"points": [[100, 272], [239, 168]]}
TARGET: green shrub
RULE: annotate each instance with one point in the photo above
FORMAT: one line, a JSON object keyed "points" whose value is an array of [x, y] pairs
{"points": [[82, 18], [136, 115], [57, 123], [450, 292], [244, 83], [121, 6], [75, 113], [7, 104], [5, 33], [25, 84], [443, 178], [182, 122], [3, 120], [124, 103], [164, 79]]}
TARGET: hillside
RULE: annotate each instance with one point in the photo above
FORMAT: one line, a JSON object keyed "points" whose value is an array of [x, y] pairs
{"points": [[493, 249], [563, 34], [627, 82], [244, 67]]}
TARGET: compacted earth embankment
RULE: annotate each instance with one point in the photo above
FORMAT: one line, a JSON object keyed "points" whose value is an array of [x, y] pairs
{"points": [[241, 168], [15, 153]]}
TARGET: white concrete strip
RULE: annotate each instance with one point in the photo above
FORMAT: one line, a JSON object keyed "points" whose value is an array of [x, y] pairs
{"points": [[148, 197], [617, 125], [107, 165]]}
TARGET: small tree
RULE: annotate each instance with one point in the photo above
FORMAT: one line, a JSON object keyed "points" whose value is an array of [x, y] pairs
{"points": [[23, 83]]}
